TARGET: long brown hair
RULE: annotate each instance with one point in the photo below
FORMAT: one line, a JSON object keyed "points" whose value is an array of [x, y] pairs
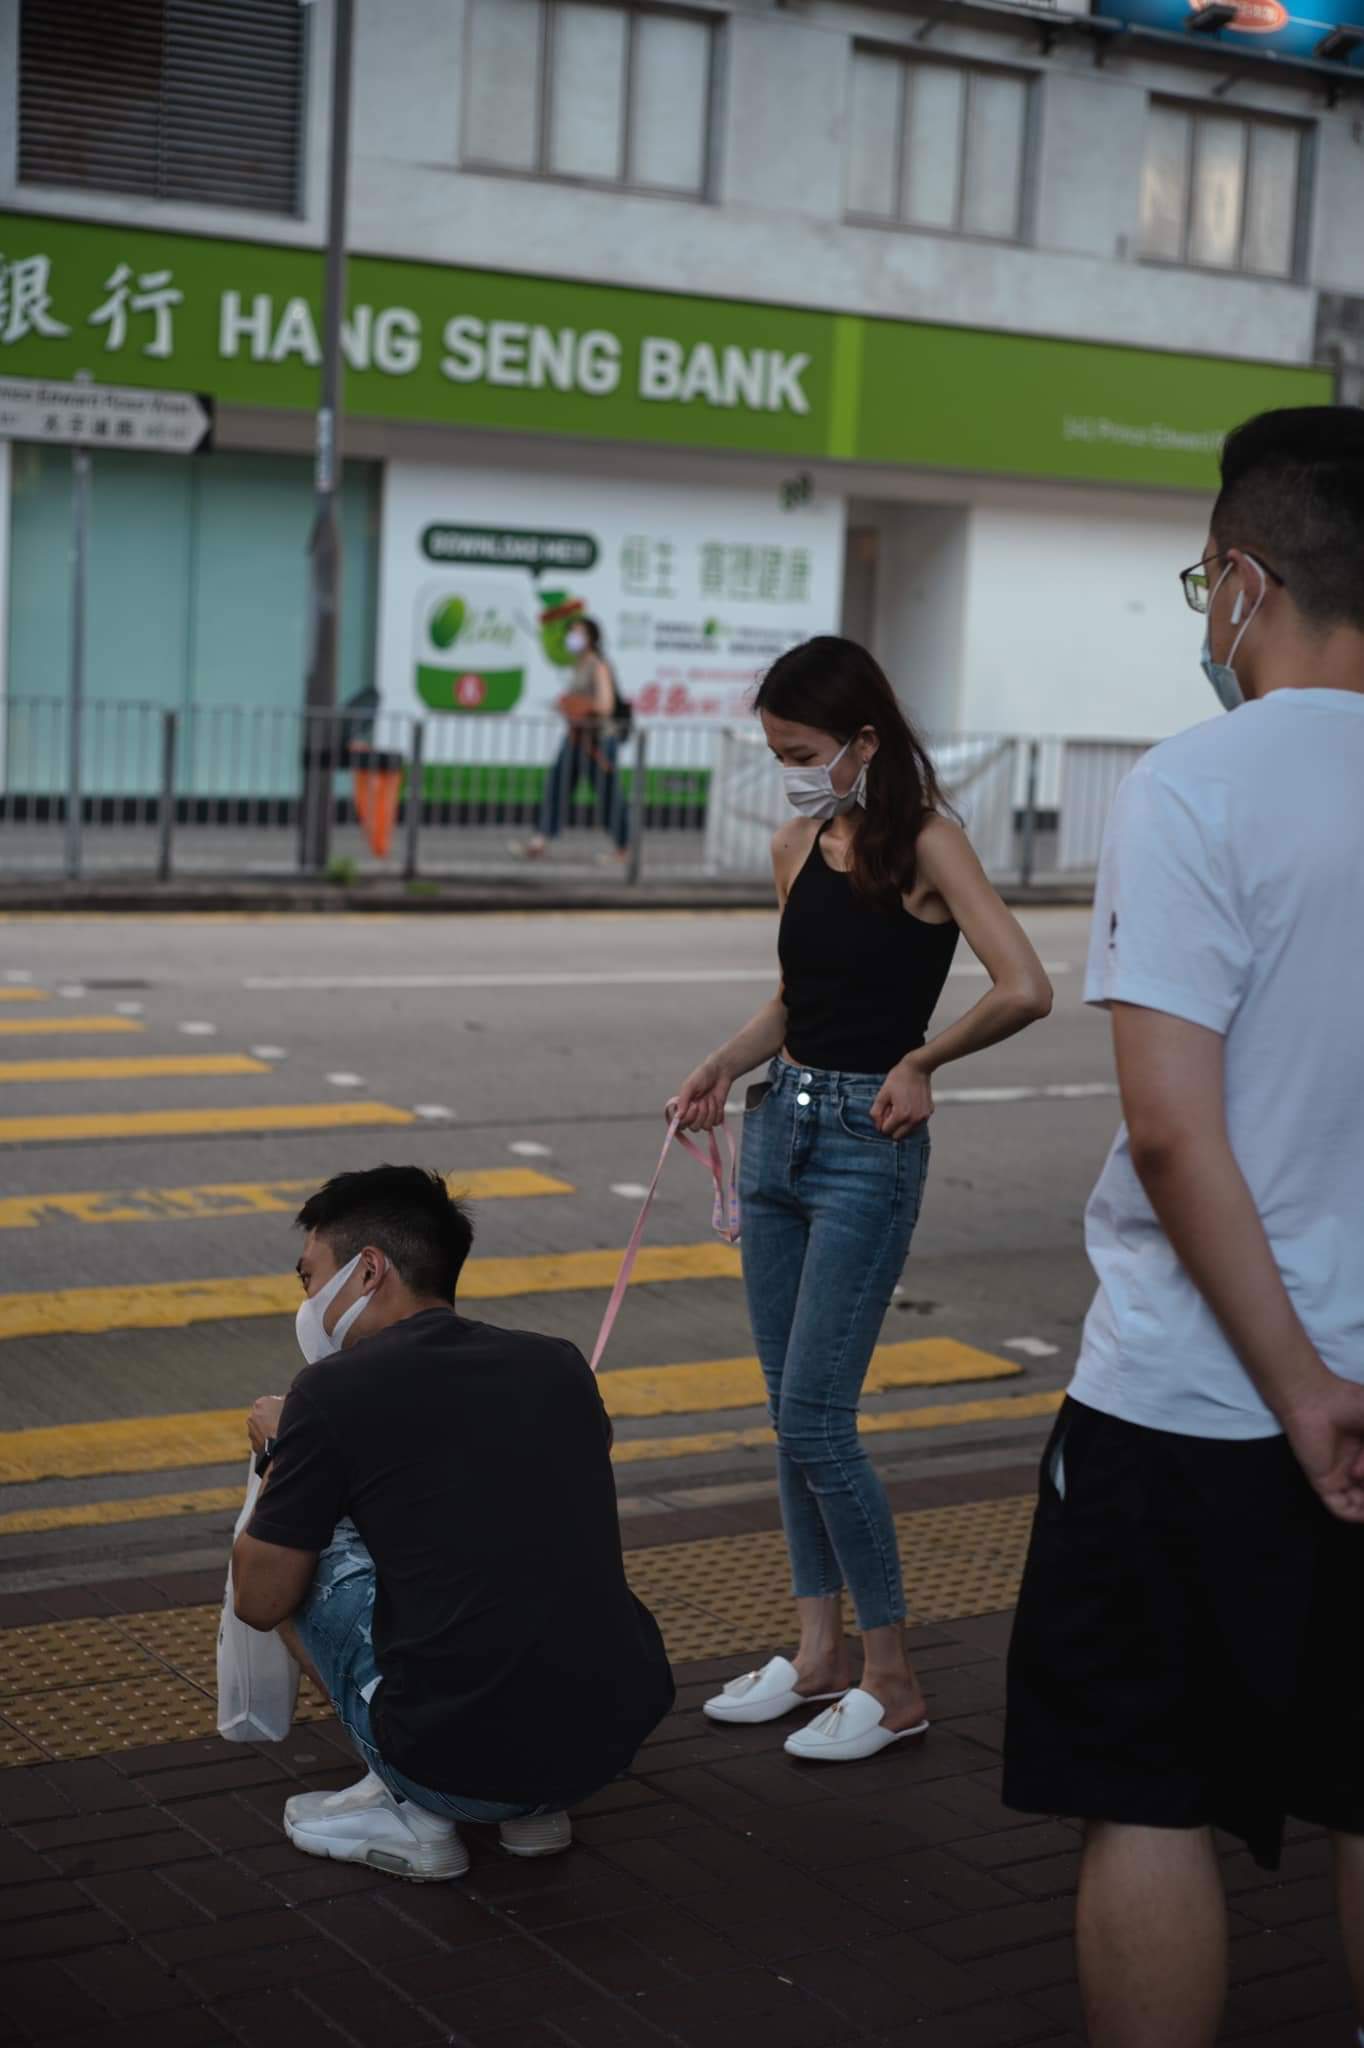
{"points": [[839, 688]]}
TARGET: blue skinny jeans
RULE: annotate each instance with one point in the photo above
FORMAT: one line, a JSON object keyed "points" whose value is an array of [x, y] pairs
{"points": [[829, 1207]]}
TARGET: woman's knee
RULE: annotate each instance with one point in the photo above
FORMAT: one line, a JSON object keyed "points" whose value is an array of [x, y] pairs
{"points": [[823, 1438]]}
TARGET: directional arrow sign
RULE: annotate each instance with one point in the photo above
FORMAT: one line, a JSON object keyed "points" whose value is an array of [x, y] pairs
{"points": [[104, 416]]}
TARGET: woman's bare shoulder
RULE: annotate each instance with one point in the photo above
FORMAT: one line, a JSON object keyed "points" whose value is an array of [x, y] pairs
{"points": [[791, 843], [941, 839]]}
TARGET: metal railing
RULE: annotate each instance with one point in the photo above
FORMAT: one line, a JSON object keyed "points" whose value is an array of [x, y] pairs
{"points": [[221, 790]]}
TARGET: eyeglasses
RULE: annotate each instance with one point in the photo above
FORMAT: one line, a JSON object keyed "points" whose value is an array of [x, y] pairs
{"points": [[1198, 584]]}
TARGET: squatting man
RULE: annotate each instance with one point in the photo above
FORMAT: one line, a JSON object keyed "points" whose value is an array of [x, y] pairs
{"points": [[437, 1542]]}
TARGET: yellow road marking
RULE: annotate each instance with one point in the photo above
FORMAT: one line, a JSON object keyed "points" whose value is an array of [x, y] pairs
{"points": [[151, 1067], [166, 1443], [171, 1304], [737, 1382], [241, 1198], [96, 1514], [948, 1415], [24, 995], [199, 1123], [224, 1499], [66, 1026]]}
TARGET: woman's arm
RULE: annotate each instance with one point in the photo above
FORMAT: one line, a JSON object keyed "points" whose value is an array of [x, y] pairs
{"points": [[700, 1101], [1020, 992], [603, 695]]}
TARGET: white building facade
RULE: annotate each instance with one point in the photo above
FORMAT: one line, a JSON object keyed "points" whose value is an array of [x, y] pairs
{"points": [[730, 322]]}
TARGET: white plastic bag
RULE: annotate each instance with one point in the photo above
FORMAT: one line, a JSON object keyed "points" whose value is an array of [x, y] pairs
{"points": [[257, 1677]]}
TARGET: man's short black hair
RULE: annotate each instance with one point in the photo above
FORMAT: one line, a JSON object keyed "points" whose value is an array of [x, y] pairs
{"points": [[1293, 496], [407, 1212]]}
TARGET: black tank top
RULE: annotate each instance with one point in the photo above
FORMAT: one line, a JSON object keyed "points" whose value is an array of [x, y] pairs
{"points": [[860, 982]]}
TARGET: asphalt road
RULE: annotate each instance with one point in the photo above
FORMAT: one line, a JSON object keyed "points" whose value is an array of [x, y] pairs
{"points": [[141, 1272]]}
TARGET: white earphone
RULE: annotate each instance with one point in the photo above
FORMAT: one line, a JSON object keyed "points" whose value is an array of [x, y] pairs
{"points": [[1238, 609]]}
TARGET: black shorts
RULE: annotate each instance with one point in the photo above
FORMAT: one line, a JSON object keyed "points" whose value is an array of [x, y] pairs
{"points": [[1189, 1644]]}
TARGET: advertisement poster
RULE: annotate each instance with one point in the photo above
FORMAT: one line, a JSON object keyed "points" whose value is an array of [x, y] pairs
{"points": [[696, 590], [1295, 31]]}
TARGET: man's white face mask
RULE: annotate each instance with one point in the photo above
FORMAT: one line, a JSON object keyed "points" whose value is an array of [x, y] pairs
{"points": [[315, 1340]]}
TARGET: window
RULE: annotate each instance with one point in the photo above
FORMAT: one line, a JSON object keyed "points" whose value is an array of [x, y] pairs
{"points": [[169, 99], [937, 145], [577, 89], [1220, 191]]}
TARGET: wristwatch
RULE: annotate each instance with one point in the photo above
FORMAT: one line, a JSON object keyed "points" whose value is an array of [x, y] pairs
{"points": [[264, 1456]]}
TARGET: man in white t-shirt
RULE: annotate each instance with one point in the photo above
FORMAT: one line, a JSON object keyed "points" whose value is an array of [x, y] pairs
{"points": [[1189, 1646]]}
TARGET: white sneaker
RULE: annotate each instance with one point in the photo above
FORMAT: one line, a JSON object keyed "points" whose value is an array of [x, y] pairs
{"points": [[364, 1823], [540, 1834]]}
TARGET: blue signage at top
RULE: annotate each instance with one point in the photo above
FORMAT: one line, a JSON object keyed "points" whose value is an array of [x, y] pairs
{"points": [[1259, 25]]}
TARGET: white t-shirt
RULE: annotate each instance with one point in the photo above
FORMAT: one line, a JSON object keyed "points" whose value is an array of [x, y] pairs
{"points": [[1231, 893]]}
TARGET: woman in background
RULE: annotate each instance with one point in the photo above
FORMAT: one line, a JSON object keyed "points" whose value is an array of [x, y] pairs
{"points": [[594, 713]]}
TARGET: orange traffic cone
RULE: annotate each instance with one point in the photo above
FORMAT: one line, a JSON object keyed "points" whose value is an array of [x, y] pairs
{"points": [[377, 791]]}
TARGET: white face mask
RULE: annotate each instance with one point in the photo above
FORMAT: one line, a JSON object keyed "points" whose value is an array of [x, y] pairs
{"points": [[575, 640], [1221, 674], [315, 1340], [811, 790]]}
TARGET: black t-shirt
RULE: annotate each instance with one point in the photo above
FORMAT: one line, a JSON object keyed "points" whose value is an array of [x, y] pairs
{"points": [[516, 1663]]}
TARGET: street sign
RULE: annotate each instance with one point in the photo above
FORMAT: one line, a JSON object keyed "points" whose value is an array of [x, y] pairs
{"points": [[104, 416]]}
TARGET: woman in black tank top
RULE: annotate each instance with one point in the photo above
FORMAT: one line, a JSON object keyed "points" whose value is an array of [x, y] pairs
{"points": [[876, 883]]}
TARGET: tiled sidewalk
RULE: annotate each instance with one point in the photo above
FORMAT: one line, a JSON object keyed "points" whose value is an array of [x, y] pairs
{"points": [[724, 1895]]}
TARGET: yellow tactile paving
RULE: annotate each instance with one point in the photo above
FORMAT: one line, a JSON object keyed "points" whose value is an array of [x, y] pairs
{"points": [[173, 1304], [24, 994], [67, 1027], [132, 1680], [165, 1443], [241, 1198], [185, 1066], [199, 1123]]}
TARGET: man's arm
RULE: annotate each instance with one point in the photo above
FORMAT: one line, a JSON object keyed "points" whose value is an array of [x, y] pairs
{"points": [[269, 1582], [1171, 1073], [301, 1499]]}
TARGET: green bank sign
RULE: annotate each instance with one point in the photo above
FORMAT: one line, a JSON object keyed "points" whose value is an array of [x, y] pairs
{"points": [[429, 343]]}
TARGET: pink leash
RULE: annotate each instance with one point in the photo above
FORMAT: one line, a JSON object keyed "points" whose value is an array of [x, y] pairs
{"points": [[724, 1217]]}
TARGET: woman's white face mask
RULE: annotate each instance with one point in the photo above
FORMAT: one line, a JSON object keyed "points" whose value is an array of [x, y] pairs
{"points": [[315, 1340], [811, 791], [575, 640]]}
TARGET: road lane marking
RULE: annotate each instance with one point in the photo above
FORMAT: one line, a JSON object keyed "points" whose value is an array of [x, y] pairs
{"points": [[168, 1443], [1032, 1347], [97, 1514], [16, 993], [637, 977], [240, 1198], [151, 1067], [66, 1027], [198, 1028], [174, 1304], [197, 1123], [638, 1450], [945, 1415]]}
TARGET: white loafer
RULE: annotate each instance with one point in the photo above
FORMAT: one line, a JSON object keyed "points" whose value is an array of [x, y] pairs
{"points": [[540, 1834], [364, 1823], [763, 1695], [845, 1733]]}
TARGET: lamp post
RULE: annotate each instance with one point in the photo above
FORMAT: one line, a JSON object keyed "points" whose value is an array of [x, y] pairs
{"points": [[320, 725]]}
